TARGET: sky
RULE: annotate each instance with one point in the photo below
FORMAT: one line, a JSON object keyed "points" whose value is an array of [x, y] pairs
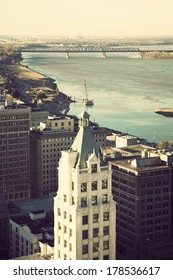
{"points": [[86, 17]]}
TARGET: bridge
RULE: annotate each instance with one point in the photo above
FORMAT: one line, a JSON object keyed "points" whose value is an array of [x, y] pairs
{"points": [[90, 49]]}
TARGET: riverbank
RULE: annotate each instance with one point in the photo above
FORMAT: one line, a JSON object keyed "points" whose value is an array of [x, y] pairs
{"points": [[167, 112], [27, 85], [157, 55]]}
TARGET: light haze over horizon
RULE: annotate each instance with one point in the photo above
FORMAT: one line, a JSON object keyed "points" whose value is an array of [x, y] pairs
{"points": [[86, 17]]}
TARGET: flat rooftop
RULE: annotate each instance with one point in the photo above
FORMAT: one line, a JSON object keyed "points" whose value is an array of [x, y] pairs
{"points": [[159, 248], [141, 164], [37, 256], [36, 226], [31, 205]]}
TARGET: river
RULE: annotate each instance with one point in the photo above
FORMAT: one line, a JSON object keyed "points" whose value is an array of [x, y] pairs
{"points": [[125, 89]]}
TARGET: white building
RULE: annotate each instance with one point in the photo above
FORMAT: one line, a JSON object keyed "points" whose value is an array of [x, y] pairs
{"points": [[125, 140], [84, 210], [58, 123], [31, 233]]}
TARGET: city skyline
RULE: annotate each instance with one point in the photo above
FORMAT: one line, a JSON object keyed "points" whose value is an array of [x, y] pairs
{"points": [[86, 18]]}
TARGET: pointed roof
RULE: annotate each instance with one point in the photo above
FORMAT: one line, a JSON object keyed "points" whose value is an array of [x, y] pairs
{"points": [[84, 143]]}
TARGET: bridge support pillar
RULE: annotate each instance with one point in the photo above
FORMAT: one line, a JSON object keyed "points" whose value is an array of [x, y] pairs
{"points": [[104, 55], [139, 54], [67, 55]]}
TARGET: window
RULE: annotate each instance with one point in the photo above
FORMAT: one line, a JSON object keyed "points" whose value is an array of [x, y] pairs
{"points": [[85, 220], [70, 218], [83, 202], [85, 249], [105, 245], [65, 243], [95, 218], [94, 200], [93, 168], [94, 186], [95, 247], [83, 187], [65, 215], [105, 216], [65, 198], [104, 184], [70, 232], [104, 198], [95, 232], [106, 257], [105, 230], [65, 229], [85, 234], [73, 200]]}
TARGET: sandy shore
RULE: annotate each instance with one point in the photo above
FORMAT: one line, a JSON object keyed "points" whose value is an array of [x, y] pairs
{"points": [[24, 81], [167, 112]]}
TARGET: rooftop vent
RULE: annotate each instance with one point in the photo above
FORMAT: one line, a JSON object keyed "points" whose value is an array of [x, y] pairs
{"points": [[39, 214]]}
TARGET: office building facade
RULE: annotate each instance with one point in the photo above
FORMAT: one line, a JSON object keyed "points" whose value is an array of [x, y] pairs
{"points": [[84, 210], [14, 153], [46, 146], [142, 191], [4, 230]]}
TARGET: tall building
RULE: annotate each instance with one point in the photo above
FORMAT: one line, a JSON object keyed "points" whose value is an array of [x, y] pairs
{"points": [[84, 210], [14, 153], [46, 146], [142, 190], [4, 230]]}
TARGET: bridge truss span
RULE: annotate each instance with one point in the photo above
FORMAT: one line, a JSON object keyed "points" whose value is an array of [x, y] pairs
{"points": [[81, 49]]}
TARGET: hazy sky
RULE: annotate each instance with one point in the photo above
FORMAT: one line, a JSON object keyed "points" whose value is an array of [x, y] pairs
{"points": [[86, 17]]}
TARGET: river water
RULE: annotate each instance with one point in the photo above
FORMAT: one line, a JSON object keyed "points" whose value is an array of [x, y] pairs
{"points": [[125, 89]]}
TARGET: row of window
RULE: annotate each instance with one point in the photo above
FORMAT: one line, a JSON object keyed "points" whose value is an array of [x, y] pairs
{"points": [[94, 185], [95, 232], [105, 257], [16, 196], [94, 200], [14, 117], [56, 140], [95, 247], [164, 212], [95, 218], [62, 123]]}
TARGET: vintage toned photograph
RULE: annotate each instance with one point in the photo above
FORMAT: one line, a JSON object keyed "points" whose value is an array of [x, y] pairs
{"points": [[86, 130]]}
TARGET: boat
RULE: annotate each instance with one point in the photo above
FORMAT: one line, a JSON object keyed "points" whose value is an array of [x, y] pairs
{"points": [[86, 100]]}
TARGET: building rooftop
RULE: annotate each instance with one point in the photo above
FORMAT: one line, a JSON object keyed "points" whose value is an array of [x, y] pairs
{"points": [[145, 162], [30, 205], [161, 249], [36, 256], [36, 226], [127, 136], [141, 164], [3, 201], [54, 117]]}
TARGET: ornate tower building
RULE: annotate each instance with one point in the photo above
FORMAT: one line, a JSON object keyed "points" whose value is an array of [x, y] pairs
{"points": [[84, 210]]}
